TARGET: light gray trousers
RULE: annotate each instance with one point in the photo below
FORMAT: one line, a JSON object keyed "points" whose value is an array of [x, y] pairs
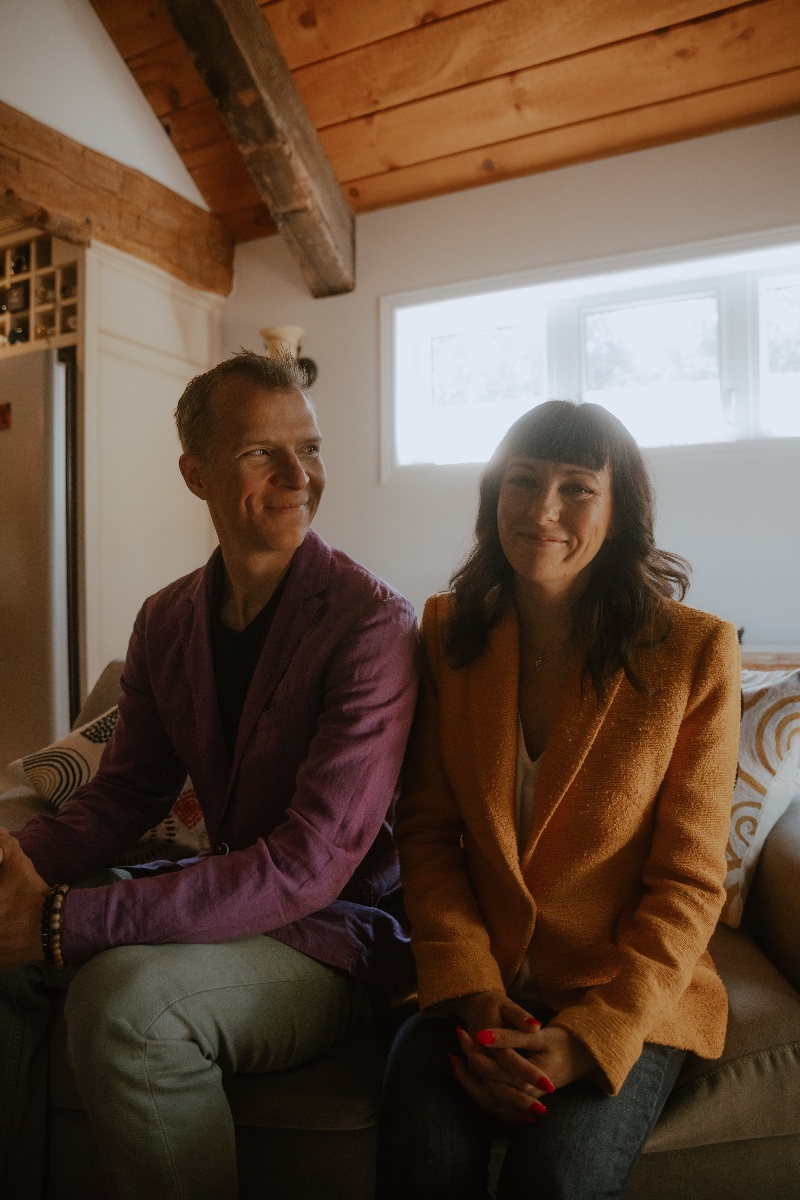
{"points": [[151, 1030]]}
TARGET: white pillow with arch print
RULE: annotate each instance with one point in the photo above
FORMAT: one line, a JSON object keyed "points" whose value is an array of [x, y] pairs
{"points": [[769, 758]]}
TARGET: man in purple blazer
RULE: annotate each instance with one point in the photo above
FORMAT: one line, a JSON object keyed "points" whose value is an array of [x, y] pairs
{"points": [[282, 678]]}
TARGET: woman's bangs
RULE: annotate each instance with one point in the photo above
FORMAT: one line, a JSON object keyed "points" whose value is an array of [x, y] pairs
{"points": [[570, 434]]}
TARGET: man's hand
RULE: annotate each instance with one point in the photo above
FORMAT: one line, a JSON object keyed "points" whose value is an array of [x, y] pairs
{"points": [[22, 893], [510, 1062]]}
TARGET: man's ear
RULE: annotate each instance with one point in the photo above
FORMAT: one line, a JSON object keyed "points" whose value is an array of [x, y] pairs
{"points": [[192, 472]]}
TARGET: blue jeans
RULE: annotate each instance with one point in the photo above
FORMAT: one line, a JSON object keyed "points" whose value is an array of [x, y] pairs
{"points": [[434, 1142]]}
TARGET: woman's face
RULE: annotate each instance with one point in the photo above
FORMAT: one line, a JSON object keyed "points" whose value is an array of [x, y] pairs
{"points": [[552, 518]]}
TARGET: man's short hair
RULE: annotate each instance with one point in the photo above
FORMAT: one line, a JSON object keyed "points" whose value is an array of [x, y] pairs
{"points": [[195, 416]]}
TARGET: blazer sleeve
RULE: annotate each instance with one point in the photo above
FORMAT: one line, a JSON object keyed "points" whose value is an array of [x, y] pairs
{"points": [[139, 779], [683, 876], [342, 793], [448, 933]]}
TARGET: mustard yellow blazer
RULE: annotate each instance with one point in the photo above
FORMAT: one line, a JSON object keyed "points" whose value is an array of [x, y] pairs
{"points": [[621, 882]]}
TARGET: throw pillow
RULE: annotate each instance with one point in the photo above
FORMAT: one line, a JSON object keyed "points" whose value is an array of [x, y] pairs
{"points": [[58, 770], [769, 755]]}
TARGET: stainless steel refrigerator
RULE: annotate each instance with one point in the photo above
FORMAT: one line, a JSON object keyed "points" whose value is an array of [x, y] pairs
{"points": [[38, 626]]}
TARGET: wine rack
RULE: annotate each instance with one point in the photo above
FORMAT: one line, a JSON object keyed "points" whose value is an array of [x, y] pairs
{"points": [[39, 293]]}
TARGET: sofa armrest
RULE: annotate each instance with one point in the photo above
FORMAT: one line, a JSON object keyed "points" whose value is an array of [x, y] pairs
{"points": [[103, 695], [19, 802], [774, 903]]}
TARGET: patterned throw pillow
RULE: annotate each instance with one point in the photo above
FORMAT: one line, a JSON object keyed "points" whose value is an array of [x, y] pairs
{"points": [[769, 755], [58, 770]]}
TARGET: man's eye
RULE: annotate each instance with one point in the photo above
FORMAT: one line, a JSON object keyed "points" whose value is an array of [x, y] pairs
{"points": [[311, 449]]}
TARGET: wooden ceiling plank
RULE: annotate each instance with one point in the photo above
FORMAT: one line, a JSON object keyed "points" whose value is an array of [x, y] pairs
{"points": [[309, 30], [754, 100], [746, 43], [134, 26], [510, 35], [168, 77], [247, 224], [76, 193], [195, 127], [238, 57], [227, 181]]}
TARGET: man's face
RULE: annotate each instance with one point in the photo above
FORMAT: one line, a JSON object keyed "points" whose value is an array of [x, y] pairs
{"points": [[262, 476]]}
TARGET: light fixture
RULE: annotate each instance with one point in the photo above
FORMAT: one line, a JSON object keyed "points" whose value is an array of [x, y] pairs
{"points": [[282, 338]]}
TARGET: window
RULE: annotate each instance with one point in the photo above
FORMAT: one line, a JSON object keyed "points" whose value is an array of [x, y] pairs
{"points": [[698, 351]]}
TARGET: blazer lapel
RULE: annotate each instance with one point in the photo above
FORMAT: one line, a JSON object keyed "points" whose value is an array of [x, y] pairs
{"points": [[577, 723], [492, 691]]}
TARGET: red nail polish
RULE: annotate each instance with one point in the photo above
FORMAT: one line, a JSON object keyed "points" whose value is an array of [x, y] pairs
{"points": [[537, 1108], [544, 1083], [532, 1021], [485, 1037], [461, 1032]]}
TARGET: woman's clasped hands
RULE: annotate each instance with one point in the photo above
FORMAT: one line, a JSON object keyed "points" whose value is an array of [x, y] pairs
{"points": [[510, 1062]]}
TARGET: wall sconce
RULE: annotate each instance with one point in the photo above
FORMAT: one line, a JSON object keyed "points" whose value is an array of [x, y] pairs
{"points": [[282, 338]]}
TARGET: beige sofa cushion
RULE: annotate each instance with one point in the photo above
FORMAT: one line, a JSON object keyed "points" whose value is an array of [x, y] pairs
{"points": [[753, 1091], [775, 898]]}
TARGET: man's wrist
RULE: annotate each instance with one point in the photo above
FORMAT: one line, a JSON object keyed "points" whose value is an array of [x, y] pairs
{"points": [[52, 923]]}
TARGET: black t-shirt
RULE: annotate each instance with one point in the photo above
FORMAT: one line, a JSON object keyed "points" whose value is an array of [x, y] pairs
{"points": [[236, 653]]}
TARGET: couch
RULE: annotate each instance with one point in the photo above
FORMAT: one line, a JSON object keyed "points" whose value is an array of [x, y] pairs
{"points": [[730, 1131]]}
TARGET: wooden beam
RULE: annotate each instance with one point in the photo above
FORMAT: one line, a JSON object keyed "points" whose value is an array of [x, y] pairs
{"points": [[620, 133], [77, 194], [238, 57], [748, 42]]}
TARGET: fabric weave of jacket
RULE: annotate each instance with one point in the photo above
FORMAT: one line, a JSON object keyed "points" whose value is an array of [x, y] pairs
{"points": [[621, 882], [298, 816]]}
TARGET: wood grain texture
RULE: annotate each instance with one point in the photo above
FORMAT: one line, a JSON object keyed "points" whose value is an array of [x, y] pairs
{"points": [[237, 55], [308, 30], [620, 133], [163, 68], [416, 98], [80, 195], [759, 39], [501, 38]]}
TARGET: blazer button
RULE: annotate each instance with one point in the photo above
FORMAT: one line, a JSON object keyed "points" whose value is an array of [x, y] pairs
{"points": [[222, 848]]}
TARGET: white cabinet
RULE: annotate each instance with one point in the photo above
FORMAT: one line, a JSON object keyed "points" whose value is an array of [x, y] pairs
{"points": [[145, 336]]}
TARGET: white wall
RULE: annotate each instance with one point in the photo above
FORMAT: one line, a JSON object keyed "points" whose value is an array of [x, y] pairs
{"points": [[732, 510], [58, 65]]}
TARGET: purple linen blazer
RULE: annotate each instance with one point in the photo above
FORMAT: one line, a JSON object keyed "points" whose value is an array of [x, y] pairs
{"points": [[302, 808]]}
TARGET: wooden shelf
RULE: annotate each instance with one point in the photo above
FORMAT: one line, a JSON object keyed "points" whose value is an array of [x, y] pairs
{"points": [[39, 282]]}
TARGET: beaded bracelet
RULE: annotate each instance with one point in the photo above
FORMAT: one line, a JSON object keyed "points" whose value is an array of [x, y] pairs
{"points": [[52, 911]]}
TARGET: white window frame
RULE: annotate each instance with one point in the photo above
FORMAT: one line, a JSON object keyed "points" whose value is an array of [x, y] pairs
{"points": [[700, 268]]}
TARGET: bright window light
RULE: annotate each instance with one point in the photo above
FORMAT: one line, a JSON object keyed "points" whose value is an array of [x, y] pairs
{"points": [[780, 357], [685, 352], [656, 367], [473, 366]]}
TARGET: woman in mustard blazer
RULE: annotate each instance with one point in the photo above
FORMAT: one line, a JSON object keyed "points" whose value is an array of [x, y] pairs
{"points": [[562, 831]]}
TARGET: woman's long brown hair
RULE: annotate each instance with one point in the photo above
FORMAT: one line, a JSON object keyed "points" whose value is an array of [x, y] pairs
{"points": [[622, 606]]}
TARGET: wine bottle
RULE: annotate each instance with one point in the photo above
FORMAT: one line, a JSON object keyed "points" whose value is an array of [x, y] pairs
{"points": [[20, 260]]}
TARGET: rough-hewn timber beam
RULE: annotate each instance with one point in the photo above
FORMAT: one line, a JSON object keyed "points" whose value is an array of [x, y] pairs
{"points": [[238, 57], [77, 194]]}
